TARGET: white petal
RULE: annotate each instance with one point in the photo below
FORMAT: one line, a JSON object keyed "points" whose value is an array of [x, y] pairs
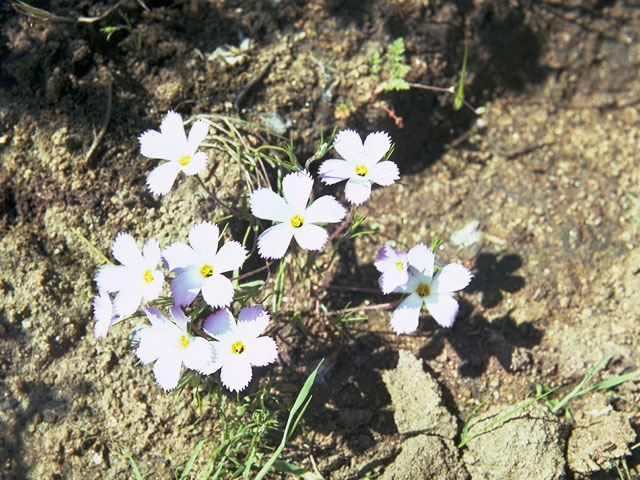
{"points": [[102, 326], [167, 371], [197, 134], [384, 173], [103, 313], [262, 351], [296, 187], [102, 306], [275, 240], [112, 278], [451, 278], [151, 253], [161, 178], [203, 237], [152, 343], [311, 237], [231, 256], [268, 205], [393, 279], [127, 302], [155, 145], [199, 355], [236, 375], [325, 209], [185, 287], [335, 170], [151, 291], [349, 144], [173, 129], [179, 318], [422, 259], [256, 318], [357, 191], [196, 164], [386, 258], [217, 291], [443, 308], [220, 323], [405, 318], [126, 251], [179, 255], [377, 144], [154, 316]]}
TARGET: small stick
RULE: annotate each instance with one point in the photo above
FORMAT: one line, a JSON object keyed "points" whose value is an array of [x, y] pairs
{"points": [[105, 123], [377, 306], [261, 73], [42, 15], [233, 210], [352, 289], [444, 90], [252, 272]]}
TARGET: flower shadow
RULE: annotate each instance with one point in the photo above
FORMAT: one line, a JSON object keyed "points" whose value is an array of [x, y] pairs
{"points": [[476, 339], [494, 275]]}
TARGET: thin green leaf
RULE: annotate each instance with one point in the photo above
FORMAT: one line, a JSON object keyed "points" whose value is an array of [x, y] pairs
{"points": [[459, 100], [301, 403]]}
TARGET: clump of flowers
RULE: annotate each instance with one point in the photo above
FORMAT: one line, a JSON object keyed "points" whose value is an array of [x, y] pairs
{"points": [[207, 338]]}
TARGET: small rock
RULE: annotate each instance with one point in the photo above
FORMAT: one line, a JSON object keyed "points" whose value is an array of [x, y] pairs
{"points": [[426, 456], [600, 435], [530, 444], [417, 399]]}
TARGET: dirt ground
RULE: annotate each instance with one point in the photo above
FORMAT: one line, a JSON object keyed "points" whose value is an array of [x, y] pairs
{"points": [[544, 173]]}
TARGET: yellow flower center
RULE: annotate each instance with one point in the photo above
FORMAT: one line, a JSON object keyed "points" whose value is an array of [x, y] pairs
{"points": [[184, 160], [423, 290], [184, 341], [206, 271], [399, 266], [361, 170], [297, 221], [237, 347], [148, 277]]}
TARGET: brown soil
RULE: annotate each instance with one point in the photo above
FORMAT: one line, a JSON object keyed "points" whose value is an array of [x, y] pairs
{"points": [[545, 171]]}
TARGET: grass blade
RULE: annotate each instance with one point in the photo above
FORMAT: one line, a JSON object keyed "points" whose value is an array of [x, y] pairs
{"points": [[298, 408]]}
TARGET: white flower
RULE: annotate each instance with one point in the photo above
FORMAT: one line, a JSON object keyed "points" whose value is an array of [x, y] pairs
{"points": [[360, 164], [425, 288], [394, 266], [169, 344], [171, 144], [136, 279], [201, 265], [103, 313], [292, 217], [239, 346]]}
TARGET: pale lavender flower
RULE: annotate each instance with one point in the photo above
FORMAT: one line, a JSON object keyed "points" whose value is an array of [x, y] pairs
{"points": [[200, 266], [238, 345], [394, 266], [360, 164], [171, 144], [136, 279], [429, 289], [292, 217], [169, 344]]}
